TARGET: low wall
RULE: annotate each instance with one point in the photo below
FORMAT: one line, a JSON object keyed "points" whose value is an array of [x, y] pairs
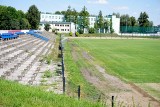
{"points": [[139, 34], [13, 31]]}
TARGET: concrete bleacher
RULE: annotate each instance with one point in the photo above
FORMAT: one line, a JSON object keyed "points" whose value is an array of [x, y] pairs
{"points": [[20, 57]]}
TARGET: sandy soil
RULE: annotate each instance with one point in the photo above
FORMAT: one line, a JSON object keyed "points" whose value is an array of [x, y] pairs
{"points": [[126, 94]]}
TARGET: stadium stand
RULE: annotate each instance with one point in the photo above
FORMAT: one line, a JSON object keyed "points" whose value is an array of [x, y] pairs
{"points": [[20, 57]]}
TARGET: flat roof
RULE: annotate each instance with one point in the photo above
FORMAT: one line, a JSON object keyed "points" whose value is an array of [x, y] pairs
{"points": [[56, 22]]}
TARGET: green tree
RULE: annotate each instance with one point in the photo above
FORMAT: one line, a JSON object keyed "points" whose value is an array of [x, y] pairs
{"points": [[143, 19], [5, 18], [133, 21], [106, 24], [125, 20], [100, 21], [33, 16], [15, 24], [24, 24], [75, 16], [20, 14], [68, 14], [63, 12], [47, 27], [83, 21], [57, 12]]}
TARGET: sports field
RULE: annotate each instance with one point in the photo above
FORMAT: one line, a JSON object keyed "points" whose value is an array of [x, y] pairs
{"points": [[136, 61]]}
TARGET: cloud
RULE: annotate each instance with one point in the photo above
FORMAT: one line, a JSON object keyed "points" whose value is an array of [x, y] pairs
{"points": [[97, 1], [121, 8]]}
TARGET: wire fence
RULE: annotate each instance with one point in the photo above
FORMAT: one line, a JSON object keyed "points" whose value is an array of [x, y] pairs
{"points": [[137, 29]]}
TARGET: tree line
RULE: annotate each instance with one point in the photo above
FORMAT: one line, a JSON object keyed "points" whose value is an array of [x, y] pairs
{"points": [[12, 19], [71, 15]]}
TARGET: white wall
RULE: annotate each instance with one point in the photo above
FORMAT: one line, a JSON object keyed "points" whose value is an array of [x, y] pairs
{"points": [[116, 24]]}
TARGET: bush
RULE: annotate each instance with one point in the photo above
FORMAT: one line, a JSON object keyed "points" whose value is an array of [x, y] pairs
{"points": [[112, 30], [91, 30], [81, 31], [70, 33], [77, 34], [53, 30]]}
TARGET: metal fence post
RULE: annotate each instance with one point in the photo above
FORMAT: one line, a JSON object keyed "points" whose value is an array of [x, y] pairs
{"points": [[79, 92], [112, 101], [64, 86]]}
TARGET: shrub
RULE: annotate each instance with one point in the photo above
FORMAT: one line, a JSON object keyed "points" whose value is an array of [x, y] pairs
{"points": [[47, 74], [70, 33], [81, 31], [112, 30], [53, 30], [91, 30], [77, 34]]}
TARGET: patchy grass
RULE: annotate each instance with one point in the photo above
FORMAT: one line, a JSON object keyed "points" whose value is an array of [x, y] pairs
{"points": [[47, 74], [16, 95], [74, 76]]}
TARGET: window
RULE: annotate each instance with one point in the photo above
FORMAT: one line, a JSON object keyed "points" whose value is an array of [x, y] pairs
{"points": [[67, 25], [68, 29], [42, 16], [52, 17], [56, 17], [91, 19], [59, 17], [56, 24], [62, 29]]}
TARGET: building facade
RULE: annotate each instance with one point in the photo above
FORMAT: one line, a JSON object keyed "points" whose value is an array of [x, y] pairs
{"points": [[61, 27], [54, 20]]}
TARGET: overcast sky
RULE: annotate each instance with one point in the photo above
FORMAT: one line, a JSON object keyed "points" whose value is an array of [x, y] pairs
{"points": [[131, 7]]}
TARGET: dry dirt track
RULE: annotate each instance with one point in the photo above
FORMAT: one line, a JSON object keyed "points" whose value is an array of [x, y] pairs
{"points": [[126, 94]]}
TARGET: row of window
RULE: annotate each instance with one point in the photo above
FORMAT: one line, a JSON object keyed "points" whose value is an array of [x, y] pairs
{"points": [[62, 29], [52, 17], [93, 19], [61, 25]]}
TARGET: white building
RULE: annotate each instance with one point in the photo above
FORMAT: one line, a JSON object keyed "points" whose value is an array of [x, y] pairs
{"points": [[92, 20], [61, 27], [48, 17], [53, 18]]}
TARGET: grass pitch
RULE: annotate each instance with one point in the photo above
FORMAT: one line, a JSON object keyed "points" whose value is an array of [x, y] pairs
{"points": [[136, 61]]}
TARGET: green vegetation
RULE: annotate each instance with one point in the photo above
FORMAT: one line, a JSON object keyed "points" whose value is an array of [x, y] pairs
{"points": [[132, 60], [70, 34], [33, 16], [73, 66], [47, 74], [10, 18], [15, 95], [47, 27]]}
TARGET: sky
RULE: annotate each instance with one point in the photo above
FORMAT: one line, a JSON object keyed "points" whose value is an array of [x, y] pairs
{"points": [[131, 7]]}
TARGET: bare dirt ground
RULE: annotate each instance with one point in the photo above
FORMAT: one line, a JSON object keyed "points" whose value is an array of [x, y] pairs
{"points": [[126, 94]]}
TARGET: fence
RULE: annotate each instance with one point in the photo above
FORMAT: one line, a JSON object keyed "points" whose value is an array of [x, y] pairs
{"points": [[137, 29]]}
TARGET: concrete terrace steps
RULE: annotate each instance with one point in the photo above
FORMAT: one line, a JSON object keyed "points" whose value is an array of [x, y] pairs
{"points": [[20, 60]]}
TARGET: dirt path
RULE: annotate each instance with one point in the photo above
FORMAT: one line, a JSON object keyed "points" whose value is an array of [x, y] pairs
{"points": [[126, 94]]}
